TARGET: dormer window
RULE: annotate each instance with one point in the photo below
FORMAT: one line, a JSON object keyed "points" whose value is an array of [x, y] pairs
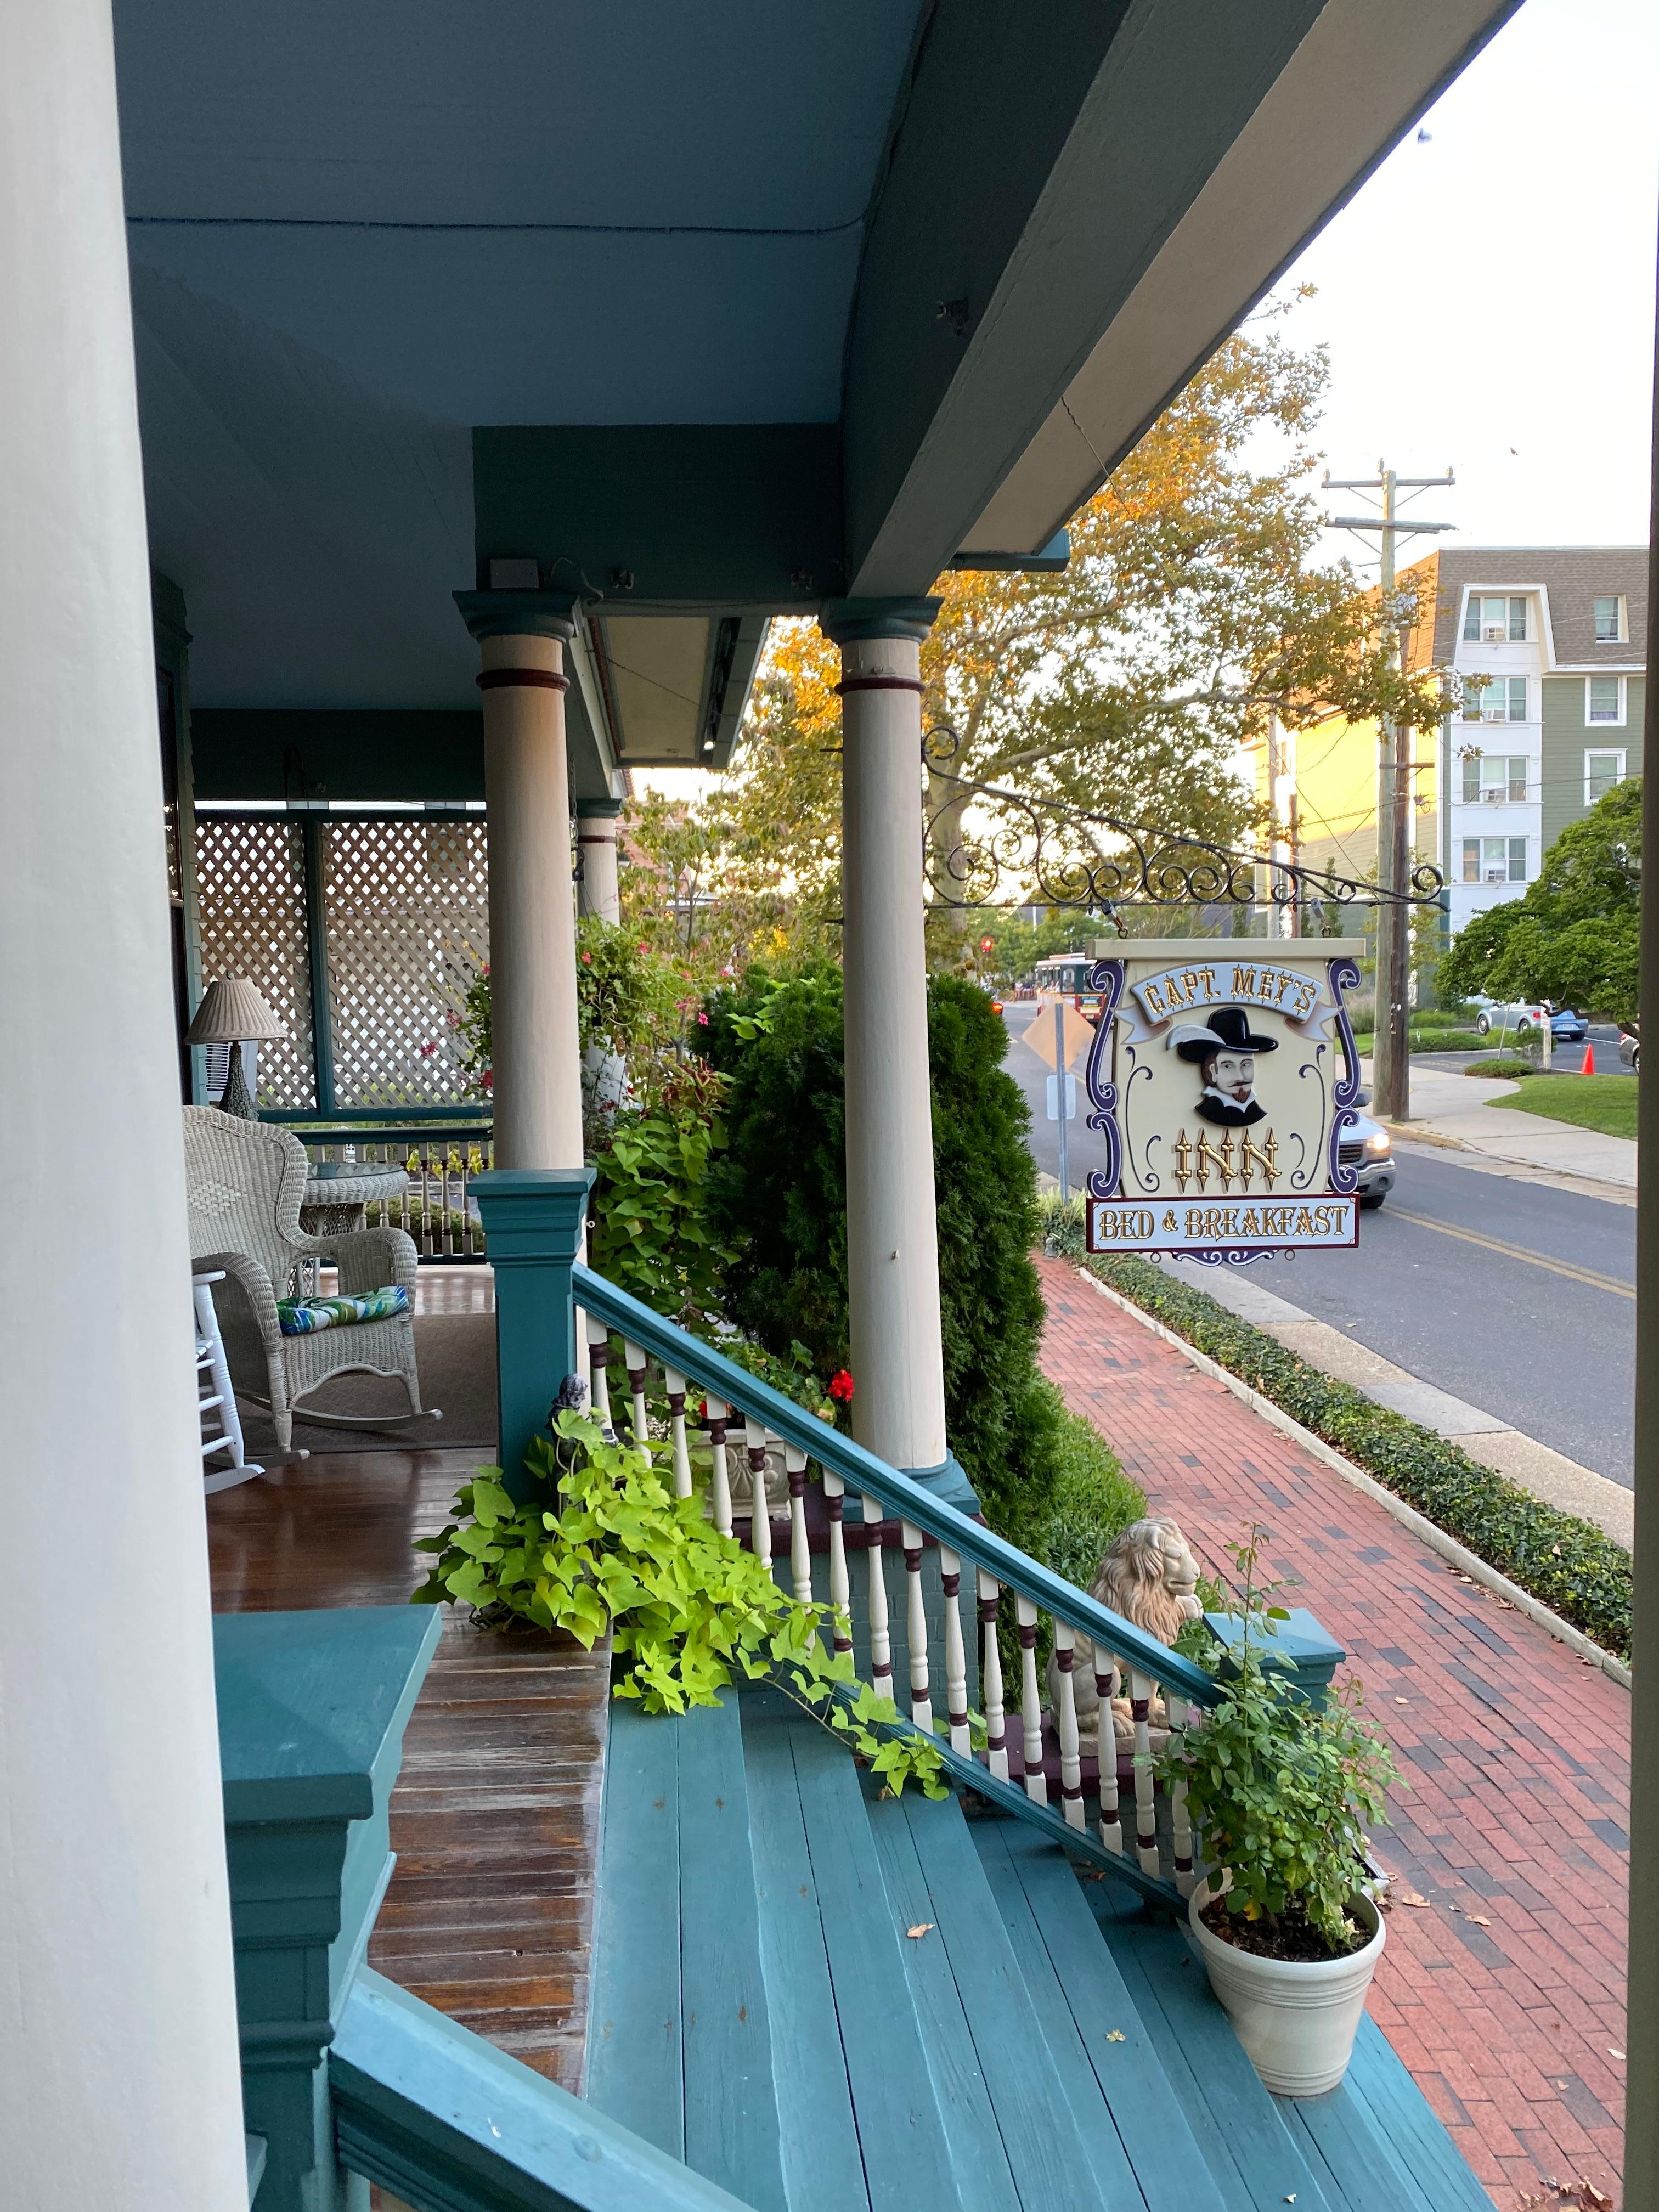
{"points": [[1609, 616], [1491, 621]]}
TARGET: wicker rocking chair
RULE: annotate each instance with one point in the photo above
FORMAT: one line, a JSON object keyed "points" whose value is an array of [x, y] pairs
{"points": [[244, 1181]]}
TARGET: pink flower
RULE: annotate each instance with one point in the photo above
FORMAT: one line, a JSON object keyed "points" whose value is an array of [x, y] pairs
{"points": [[588, 960], [703, 1021], [728, 969], [427, 1050]]}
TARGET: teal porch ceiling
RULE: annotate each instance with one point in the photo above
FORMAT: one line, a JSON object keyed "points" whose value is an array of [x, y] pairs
{"points": [[928, 267]]}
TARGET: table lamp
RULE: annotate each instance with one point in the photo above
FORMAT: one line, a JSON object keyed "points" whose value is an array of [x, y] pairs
{"points": [[231, 1013]]}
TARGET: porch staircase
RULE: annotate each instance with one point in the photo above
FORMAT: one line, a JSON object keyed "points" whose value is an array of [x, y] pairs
{"points": [[762, 2011]]}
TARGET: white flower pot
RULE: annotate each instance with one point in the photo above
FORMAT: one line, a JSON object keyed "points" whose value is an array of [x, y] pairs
{"points": [[1297, 2019]]}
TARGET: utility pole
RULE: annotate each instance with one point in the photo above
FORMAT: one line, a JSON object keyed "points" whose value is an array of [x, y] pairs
{"points": [[1391, 1051]]}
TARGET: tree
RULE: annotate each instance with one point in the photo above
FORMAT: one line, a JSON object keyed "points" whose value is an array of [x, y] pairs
{"points": [[777, 1197], [1572, 937]]}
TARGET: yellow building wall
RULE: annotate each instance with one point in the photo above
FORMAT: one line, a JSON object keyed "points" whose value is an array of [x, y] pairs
{"points": [[1335, 775]]}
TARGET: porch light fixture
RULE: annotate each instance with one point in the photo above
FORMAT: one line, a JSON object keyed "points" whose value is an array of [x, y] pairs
{"points": [[231, 1013]]}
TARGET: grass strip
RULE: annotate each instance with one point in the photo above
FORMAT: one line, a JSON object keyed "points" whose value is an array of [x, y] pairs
{"points": [[1568, 1564], [1605, 1103]]}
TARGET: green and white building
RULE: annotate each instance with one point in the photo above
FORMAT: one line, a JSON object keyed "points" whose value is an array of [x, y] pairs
{"points": [[1547, 642]]}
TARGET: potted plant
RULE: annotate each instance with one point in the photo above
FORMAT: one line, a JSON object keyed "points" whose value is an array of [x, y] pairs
{"points": [[1281, 1788]]}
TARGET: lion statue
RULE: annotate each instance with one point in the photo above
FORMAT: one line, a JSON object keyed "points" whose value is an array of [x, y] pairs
{"points": [[1149, 1575]]}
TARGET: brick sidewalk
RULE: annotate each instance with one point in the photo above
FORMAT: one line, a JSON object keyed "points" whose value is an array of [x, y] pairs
{"points": [[1505, 1992]]}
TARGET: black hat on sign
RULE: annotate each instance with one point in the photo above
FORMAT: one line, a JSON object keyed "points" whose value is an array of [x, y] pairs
{"points": [[1227, 1031]]}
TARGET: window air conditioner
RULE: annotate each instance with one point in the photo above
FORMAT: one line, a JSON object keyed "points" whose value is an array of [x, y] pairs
{"points": [[1494, 714], [1499, 875], [1495, 634]]}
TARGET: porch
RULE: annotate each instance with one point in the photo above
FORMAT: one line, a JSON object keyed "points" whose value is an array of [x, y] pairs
{"points": [[328, 339], [720, 1935]]}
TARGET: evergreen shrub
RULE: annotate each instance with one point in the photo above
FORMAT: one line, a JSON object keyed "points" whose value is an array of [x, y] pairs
{"points": [[778, 1195]]}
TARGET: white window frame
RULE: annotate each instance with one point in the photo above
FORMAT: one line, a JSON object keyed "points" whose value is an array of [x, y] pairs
{"points": [[1622, 634], [1488, 793], [1505, 860], [1602, 721], [1505, 599], [1479, 708], [1603, 752]]}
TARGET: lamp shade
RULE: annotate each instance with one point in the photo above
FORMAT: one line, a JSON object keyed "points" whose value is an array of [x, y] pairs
{"points": [[232, 1011]]}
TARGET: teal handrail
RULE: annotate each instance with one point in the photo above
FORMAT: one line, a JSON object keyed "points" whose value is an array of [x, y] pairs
{"points": [[444, 2120], [906, 1499]]}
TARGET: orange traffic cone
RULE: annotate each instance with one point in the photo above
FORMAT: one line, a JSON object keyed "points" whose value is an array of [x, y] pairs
{"points": [[1589, 1068]]}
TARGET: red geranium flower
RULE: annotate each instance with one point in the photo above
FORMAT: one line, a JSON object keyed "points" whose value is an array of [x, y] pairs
{"points": [[842, 1387]]}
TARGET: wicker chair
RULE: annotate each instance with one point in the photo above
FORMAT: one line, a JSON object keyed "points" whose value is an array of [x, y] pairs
{"points": [[244, 1181]]}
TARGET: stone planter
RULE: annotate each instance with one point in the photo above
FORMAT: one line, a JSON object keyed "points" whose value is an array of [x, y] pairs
{"points": [[1296, 2019]]}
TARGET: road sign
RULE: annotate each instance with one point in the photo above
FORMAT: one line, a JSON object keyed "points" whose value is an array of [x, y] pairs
{"points": [[1078, 1034], [1054, 1100]]}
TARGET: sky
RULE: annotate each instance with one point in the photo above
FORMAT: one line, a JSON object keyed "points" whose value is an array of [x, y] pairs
{"points": [[1487, 295]]}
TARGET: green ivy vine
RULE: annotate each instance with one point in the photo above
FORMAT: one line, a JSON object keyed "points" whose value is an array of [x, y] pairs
{"points": [[609, 1546]]}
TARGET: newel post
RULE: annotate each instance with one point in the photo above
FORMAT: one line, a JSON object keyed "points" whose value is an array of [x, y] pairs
{"points": [[533, 1220]]}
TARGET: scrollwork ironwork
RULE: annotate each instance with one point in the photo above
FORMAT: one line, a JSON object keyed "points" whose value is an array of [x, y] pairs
{"points": [[1148, 866]]}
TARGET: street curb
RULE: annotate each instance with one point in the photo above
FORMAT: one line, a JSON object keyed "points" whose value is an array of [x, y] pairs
{"points": [[1448, 1548]]}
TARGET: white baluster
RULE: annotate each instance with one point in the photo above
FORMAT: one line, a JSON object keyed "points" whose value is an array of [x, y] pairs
{"points": [[1141, 1687], [801, 1555], [598, 1351], [1111, 1824], [955, 1658], [635, 1360], [675, 1386], [1071, 1766], [881, 1641], [1180, 1820], [1031, 1702], [840, 1589], [760, 1524], [715, 1412], [915, 1623], [996, 1743]]}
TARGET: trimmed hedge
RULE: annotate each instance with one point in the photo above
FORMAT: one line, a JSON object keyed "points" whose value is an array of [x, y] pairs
{"points": [[1569, 1564]]}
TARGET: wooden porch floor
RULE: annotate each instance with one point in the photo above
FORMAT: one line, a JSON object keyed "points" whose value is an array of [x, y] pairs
{"points": [[495, 1816]]}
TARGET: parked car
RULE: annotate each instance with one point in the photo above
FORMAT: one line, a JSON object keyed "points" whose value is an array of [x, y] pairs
{"points": [[1524, 1017], [1629, 1046], [1366, 1145]]}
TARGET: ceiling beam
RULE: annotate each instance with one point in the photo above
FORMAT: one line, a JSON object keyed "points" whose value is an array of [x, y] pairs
{"points": [[1037, 170]]}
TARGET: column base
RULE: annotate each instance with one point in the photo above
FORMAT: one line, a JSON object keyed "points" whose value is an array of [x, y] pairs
{"points": [[948, 1482]]}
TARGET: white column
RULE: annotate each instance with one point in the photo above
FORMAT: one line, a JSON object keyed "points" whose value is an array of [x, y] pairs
{"points": [[536, 1094], [892, 1253], [596, 852], [120, 2077]]}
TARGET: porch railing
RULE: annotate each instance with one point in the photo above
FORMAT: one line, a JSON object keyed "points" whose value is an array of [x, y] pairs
{"points": [[850, 1523], [439, 1159]]}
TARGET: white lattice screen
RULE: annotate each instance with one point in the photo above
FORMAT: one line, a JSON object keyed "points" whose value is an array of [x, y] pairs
{"points": [[408, 917], [251, 877]]}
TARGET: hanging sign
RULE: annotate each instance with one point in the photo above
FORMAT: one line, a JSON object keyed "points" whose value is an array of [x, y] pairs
{"points": [[1223, 1079]]}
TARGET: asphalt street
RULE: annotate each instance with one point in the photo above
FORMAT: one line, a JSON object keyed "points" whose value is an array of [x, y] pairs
{"points": [[1513, 1295]]}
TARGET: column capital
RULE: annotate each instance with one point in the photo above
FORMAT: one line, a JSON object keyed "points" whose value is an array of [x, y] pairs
{"points": [[519, 614], [598, 810], [857, 622]]}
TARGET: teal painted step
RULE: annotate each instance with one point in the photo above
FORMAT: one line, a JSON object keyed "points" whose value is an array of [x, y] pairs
{"points": [[1374, 2144], [970, 2067]]}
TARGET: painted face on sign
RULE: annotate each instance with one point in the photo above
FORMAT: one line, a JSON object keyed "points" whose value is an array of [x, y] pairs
{"points": [[1233, 1074]]}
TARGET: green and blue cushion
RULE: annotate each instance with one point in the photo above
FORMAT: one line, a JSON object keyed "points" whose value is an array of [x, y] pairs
{"points": [[305, 1317]]}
